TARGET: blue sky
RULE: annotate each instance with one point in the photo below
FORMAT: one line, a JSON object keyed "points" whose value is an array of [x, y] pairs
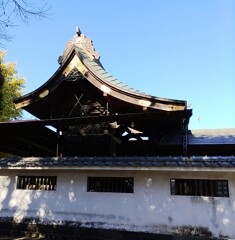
{"points": [[182, 49]]}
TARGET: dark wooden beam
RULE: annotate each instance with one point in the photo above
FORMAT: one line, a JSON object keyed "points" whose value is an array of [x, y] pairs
{"points": [[28, 142], [122, 118]]}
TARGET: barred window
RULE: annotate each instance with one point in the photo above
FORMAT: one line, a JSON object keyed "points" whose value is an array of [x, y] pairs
{"points": [[199, 187], [37, 182], [110, 184]]}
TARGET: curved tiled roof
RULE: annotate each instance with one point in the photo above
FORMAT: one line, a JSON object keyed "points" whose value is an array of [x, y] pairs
{"points": [[102, 73], [96, 68], [141, 163], [80, 54]]}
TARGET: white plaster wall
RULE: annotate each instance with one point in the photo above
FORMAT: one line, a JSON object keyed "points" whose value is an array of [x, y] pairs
{"points": [[151, 208]]}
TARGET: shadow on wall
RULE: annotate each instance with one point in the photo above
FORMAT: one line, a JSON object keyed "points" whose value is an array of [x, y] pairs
{"points": [[179, 213], [24, 204], [5, 182], [147, 204]]}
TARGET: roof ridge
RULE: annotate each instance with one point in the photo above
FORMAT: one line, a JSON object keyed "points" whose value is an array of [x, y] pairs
{"points": [[83, 42]]}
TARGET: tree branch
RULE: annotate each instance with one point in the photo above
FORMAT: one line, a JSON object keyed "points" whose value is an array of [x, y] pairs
{"points": [[21, 9]]}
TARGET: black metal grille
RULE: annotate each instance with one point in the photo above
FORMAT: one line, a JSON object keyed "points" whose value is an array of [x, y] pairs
{"points": [[110, 184], [199, 187], [37, 182]]}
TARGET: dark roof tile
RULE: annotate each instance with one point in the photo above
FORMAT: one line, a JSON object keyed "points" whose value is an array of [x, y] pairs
{"points": [[171, 162]]}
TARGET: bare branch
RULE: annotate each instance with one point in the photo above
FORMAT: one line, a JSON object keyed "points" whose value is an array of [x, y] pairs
{"points": [[10, 10], [25, 11]]}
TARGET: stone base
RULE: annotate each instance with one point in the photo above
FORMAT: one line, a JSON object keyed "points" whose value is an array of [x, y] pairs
{"points": [[68, 232]]}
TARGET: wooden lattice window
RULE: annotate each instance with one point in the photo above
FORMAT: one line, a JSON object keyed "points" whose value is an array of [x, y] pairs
{"points": [[110, 184], [199, 187], [37, 182]]}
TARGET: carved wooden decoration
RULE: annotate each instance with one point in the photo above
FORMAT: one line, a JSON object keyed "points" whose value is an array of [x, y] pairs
{"points": [[84, 42]]}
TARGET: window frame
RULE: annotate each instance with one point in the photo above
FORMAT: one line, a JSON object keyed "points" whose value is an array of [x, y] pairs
{"points": [[199, 187], [39, 183], [110, 184]]}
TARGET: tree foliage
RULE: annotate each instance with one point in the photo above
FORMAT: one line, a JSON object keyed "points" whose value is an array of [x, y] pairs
{"points": [[11, 87], [12, 10]]}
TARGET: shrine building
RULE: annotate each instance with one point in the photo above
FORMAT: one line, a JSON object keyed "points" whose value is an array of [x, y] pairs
{"points": [[104, 159]]}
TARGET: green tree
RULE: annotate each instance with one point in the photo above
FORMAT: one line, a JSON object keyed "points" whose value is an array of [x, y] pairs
{"points": [[11, 87]]}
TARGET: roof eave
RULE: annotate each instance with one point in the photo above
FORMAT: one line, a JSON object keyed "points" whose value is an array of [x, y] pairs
{"points": [[132, 97], [46, 88], [168, 163]]}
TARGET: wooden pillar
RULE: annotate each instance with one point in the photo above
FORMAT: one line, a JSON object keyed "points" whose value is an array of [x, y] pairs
{"points": [[185, 137], [59, 147], [153, 138]]}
